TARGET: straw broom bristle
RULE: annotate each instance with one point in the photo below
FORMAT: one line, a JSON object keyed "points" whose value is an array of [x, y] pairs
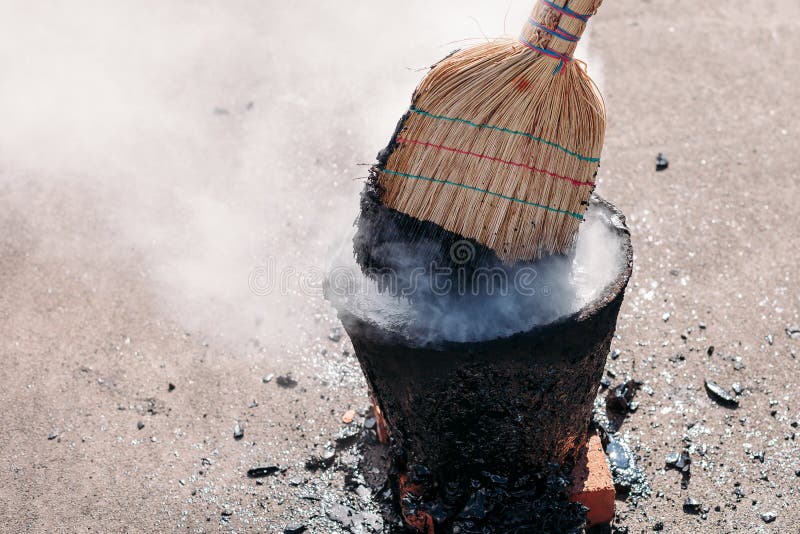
{"points": [[502, 143]]}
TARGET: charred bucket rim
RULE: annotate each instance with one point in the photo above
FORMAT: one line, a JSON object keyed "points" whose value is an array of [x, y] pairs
{"points": [[592, 309]]}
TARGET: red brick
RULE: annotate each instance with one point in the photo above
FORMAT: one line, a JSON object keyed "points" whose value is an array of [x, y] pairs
{"points": [[593, 486]]}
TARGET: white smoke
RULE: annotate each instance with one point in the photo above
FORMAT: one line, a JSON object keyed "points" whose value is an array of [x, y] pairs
{"points": [[509, 302], [212, 138]]}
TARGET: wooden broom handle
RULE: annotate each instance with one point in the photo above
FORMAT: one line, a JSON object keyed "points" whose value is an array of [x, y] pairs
{"points": [[558, 25]]}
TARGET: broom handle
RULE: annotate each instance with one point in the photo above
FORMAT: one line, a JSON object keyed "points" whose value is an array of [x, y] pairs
{"points": [[557, 25]]}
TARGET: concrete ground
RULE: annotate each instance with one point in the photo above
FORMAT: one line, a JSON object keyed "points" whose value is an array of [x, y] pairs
{"points": [[155, 162]]}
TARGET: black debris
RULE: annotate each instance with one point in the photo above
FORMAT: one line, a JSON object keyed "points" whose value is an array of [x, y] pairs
{"points": [[418, 474], [628, 478], [720, 395], [769, 517], [692, 506], [476, 506], [286, 382], [680, 462], [662, 163], [323, 461], [534, 502], [673, 459], [140, 425], [263, 471], [347, 436], [680, 357], [170, 387], [294, 528], [620, 399]]}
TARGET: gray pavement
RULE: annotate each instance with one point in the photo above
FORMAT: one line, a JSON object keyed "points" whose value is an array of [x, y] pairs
{"points": [[153, 158]]}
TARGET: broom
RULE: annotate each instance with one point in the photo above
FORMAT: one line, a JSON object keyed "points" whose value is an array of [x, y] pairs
{"points": [[495, 161]]}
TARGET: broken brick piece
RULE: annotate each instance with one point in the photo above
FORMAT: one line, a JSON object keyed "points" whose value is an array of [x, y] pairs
{"points": [[348, 417], [593, 486]]}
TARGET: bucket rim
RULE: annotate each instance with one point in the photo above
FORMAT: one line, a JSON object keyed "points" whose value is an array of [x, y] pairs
{"points": [[370, 329]]}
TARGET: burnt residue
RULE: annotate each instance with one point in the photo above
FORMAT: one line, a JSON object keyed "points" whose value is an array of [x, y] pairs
{"points": [[610, 412], [620, 399], [534, 502], [630, 480], [619, 402], [508, 406], [385, 237], [682, 462], [383, 234], [510, 403], [263, 471]]}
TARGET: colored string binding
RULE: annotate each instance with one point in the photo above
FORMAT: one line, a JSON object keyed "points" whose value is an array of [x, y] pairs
{"points": [[486, 191], [557, 32], [546, 51], [504, 130], [567, 11], [573, 181]]}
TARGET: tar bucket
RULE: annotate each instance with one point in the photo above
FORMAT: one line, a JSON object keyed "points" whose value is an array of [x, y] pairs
{"points": [[507, 405]]}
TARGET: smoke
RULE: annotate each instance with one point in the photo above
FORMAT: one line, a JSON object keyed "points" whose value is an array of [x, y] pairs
{"points": [[211, 139], [491, 303]]}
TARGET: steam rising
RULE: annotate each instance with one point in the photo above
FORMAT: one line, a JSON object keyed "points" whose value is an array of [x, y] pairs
{"points": [[209, 138], [553, 287]]}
